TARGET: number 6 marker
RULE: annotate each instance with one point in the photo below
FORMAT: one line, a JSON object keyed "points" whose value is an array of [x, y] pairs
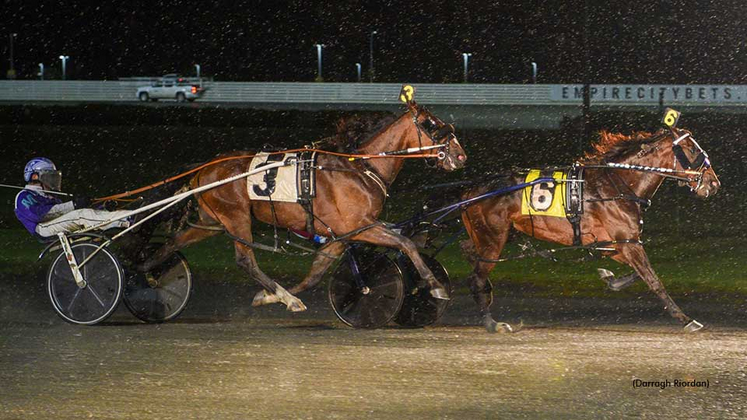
{"points": [[671, 117]]}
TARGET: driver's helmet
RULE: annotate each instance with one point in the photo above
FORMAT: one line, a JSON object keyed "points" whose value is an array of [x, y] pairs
{"points": [[48, 174]]}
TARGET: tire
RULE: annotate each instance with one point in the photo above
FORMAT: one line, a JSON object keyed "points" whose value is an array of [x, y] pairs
{"points": [[180, 97], [421, 309], [375, 307], [144, 96], [163, 294], [99, 298]]}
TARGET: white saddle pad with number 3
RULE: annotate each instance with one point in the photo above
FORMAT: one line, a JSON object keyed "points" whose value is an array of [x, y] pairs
{"points": [[276, 184]]}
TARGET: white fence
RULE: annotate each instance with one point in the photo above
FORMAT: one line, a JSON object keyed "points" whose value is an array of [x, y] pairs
{"points": [[386, 93], [322, 93]]}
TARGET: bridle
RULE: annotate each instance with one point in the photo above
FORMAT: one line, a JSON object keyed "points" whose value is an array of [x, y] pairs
{"points": [[438, 132], [700, 164], [685, 176]]}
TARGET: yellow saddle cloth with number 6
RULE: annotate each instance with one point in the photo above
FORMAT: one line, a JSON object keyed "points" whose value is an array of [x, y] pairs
{"points": [[545, 198]]}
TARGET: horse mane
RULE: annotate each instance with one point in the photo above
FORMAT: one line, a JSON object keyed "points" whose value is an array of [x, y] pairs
{"points": [[611, 146], [356, 129]]}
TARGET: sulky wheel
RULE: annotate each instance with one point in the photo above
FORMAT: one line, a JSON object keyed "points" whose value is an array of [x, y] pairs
{"points": [[372, 299], [420, 308], [98, 298], [161, 294]]}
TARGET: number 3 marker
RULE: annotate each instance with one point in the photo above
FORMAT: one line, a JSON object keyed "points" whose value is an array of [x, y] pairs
{"points": [[405, 95]]}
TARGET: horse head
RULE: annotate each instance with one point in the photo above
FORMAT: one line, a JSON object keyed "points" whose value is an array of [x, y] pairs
{"points": [[432, 131], [689, 157]]}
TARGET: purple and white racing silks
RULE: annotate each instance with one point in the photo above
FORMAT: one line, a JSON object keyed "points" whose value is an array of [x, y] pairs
{"points": [[32, 207]]}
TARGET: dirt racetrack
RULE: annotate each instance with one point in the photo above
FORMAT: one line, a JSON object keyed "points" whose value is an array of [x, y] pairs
{"points": [[225, 360]]}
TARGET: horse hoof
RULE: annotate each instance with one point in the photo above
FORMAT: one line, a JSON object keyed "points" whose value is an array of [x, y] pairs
{"points": [[296, 306], [693, 326], [440, 293], [497, 327], [263, 298]]}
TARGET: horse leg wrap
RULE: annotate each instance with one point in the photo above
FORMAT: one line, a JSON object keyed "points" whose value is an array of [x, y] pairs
{"points": [[488, 288], [483, 296]]}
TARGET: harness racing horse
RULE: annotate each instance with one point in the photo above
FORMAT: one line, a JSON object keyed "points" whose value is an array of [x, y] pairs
{"points": [[621, 176], [350, 195]]}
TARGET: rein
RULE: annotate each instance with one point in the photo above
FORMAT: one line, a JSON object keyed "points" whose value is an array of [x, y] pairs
{"points": [[396, 154], [665, 172]]}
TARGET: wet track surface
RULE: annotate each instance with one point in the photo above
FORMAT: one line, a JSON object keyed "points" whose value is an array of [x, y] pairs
{"points": [[224, 359]]}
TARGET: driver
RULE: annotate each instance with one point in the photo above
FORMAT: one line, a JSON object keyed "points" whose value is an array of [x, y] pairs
{"points": [[45, 215]]}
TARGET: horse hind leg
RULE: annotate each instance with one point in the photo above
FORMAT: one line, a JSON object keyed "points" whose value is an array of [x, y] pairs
{"points": [[323, 260], [486, 243], [617, 283], [275, 292], [482, 289]]}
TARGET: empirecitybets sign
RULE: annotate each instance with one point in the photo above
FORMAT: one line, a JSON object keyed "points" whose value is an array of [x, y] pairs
{"points": [[653, 93]]}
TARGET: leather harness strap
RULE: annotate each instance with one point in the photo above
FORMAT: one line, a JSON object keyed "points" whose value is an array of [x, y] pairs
{"points": [[306, 191]]}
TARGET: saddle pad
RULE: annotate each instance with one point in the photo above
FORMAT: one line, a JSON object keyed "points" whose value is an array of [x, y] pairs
{"points": [[545, 198], [277, 184]]}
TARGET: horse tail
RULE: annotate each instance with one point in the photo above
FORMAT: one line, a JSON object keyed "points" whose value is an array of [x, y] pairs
{"points": [[176, 214]]}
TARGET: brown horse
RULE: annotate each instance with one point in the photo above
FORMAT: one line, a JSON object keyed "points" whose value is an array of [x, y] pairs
{"points": [[614, 199], [350, 194]]}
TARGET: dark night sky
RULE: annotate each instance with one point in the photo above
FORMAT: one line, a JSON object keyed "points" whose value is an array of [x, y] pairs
{"points": [[680, 41]]}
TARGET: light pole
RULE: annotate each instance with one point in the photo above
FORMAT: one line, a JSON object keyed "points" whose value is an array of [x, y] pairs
{"points": [[41, 71], [534, 72], [358, 67], [319, 61], [370, 55], [64, 59], [12, 70], [197, 70], [466, 57]]}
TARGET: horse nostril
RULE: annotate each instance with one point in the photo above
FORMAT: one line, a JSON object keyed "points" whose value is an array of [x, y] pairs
{"points": [[714, 184], [461, 157]]}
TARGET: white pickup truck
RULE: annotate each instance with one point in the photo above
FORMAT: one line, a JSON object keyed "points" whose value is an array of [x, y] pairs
{"points": [[170, 87]]}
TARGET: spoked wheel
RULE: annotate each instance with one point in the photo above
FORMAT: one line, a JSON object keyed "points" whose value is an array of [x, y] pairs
{"points": [[372, 299], [93, 303], [420, 308], [161, 294]]}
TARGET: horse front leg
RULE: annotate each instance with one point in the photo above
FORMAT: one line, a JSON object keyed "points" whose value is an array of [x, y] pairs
{"points": [[635, 256], [381, 236]]}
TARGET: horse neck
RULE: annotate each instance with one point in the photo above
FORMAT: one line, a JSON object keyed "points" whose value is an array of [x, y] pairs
{"points": [[397, 136], [645, 184]]}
